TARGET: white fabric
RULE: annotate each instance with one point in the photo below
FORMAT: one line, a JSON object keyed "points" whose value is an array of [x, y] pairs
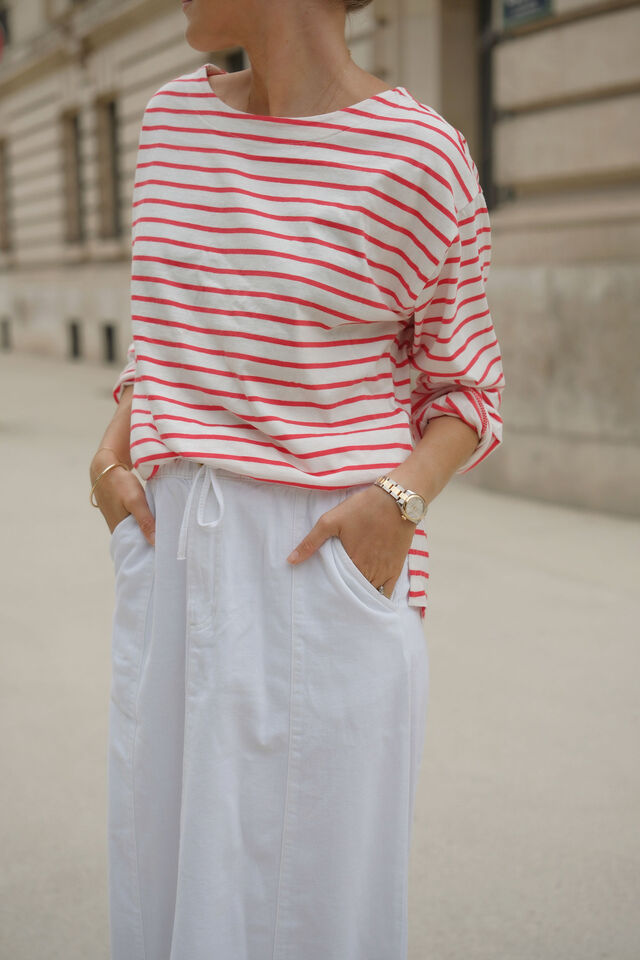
{"points": [[266, 728]]}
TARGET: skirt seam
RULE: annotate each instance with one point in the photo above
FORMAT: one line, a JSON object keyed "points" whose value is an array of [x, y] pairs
{"points": [[143, 627], [291, 703]]}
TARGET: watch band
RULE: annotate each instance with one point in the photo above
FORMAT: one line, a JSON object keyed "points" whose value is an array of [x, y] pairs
{"points": [[402, 495]]}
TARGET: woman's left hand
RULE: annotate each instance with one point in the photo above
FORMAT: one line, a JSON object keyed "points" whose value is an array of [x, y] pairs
{"points": [[372, 532]]}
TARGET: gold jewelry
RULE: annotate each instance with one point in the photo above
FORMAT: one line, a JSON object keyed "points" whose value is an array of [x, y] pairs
{"points": [[110, 467]]}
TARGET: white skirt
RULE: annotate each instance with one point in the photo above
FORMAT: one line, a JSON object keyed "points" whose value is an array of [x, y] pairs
{"points": [[266, 728]]}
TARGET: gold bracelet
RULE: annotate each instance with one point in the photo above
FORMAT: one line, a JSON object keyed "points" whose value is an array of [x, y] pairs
{"points": [[110, 467]]}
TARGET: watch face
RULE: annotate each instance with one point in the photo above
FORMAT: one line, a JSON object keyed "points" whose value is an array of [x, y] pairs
{"points": [[414, 507]]}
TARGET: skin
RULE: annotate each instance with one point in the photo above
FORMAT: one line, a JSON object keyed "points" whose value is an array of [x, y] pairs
{"points": [[300, 66]]}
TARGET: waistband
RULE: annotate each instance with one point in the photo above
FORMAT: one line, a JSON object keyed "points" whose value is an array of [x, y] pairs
{"points": [[187, 467], [211, 479]]}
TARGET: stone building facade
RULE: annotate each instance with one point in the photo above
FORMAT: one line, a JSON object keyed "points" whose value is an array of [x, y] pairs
{"points": [[547, 92]]}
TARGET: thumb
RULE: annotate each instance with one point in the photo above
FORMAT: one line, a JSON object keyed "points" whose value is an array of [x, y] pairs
{"points": [[146, 522], [320, 532]]}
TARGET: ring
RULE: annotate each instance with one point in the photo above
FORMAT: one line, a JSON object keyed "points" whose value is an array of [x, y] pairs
{"points": [[381, 588]]}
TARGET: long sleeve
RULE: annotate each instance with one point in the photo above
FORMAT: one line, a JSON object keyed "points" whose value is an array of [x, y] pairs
{"points": [[455, 349], [127, 374]]}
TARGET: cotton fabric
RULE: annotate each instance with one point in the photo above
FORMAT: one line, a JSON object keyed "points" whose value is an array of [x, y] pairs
{"points": [[307, 293], [266, 727]]}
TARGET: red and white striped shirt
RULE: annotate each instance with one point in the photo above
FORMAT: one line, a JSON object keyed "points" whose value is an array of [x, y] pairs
{"points": [[292, 276]]}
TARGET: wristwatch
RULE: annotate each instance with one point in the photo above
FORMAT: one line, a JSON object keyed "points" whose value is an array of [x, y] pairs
{"points": [[411, 505]]}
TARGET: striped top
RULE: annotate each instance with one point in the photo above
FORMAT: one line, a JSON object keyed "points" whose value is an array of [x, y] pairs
{"points": [[307, 292]]}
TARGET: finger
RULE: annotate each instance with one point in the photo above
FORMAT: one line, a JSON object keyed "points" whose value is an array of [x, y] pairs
{"points": [[148, 526], [321, 531], [146, 520], [388, 587]]}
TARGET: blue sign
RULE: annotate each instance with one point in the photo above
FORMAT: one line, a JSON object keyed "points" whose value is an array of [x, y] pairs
{"points": [[515, 12]]}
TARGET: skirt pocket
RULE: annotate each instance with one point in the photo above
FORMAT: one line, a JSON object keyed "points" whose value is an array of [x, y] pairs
{"points": [[355, 581], [118, 529], [134, 560]]}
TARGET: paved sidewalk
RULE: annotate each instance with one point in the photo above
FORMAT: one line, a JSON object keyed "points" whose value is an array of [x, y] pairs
{"points": [[527, 835]]}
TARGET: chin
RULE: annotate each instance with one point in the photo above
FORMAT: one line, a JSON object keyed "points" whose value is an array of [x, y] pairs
{"points": [[206, 42], [196, 41], [211, 33]]}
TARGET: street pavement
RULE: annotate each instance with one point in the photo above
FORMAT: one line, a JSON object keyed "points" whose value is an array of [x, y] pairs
{"points": [[526, 840]]}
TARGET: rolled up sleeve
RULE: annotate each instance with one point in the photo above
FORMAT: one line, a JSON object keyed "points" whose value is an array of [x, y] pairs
{"points": [[127, 374], [455, 350]]}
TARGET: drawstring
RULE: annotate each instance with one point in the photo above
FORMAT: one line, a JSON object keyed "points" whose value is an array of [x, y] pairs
{"points": [[208, 474]]}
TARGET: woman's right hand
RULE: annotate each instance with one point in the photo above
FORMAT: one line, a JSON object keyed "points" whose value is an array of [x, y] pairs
{"points": [[119, 493]]}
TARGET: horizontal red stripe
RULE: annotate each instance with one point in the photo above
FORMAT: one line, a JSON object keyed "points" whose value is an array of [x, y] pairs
{"points": [[252, 378], [358, 275], [277, 401], [260, 294], [191, 91], [332, 147], [321, 240], [238, 274], [274, 445], [272, 361], [363, 418], [379, 221], [280, 436], [252, 335], [298, 185], [348, 468]]}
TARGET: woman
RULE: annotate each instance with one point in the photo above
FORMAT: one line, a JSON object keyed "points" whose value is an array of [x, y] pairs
{"points": [[303, 237]]}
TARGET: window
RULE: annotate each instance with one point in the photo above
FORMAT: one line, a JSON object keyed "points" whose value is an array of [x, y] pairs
{"points": [[74, 210], [109, 342], [486, 52], [5, 333], [75, 339], [5, 28], [110, 224], [5, 226]]}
